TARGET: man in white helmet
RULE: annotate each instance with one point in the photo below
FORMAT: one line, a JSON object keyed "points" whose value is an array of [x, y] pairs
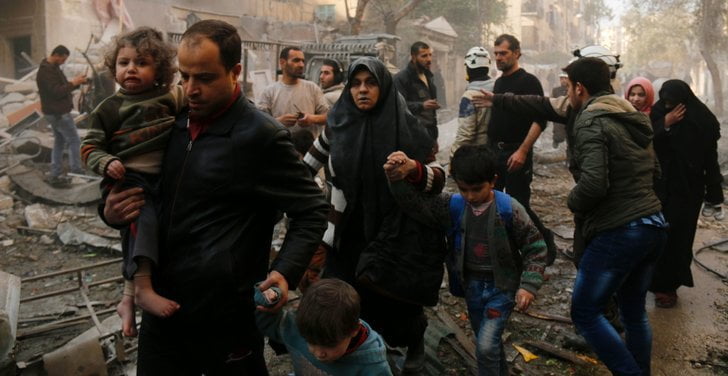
{"points": [[473, 122]]}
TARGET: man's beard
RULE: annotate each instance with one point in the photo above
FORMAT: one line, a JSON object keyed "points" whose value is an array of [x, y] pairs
{"points": [[421, 67]]}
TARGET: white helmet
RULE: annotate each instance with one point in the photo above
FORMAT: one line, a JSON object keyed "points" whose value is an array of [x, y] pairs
{"points": [[477, 57], [602, 53]]}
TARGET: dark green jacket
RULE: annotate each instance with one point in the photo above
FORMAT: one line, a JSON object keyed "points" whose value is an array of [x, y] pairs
{"points": [[613, 150]]}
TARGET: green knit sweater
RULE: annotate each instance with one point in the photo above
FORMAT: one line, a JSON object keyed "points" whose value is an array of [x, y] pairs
{"points": [[125, 126]]}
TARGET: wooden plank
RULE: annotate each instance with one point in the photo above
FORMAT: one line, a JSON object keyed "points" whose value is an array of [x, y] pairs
{"points": [[9, 307], [546, 316], [472, 364], [467, 343], [561, 353]]}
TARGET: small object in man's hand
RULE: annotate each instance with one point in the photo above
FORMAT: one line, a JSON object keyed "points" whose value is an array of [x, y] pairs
{"points": [[267, 298]]}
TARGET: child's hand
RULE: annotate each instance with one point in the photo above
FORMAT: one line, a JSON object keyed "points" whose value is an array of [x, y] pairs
{"points": [[399, 166], [523, 299], [115, 169]]}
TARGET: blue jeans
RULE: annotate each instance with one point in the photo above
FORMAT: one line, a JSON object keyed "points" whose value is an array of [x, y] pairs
{"points": [[618, 261], [64, 135], [489, 309]]}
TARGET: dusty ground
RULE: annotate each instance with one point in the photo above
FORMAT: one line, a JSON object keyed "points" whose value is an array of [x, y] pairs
{"points": [[690, 339]]}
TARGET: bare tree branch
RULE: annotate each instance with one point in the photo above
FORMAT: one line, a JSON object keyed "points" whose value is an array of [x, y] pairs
{"points": [[405, 10]]}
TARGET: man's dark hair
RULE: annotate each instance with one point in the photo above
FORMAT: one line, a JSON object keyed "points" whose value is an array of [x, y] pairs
{"points": [[338, 72], [473, 164], [328, 312], [302, 140], [417, 46], [146, 41], [513, 43], [287, 51], [224, 35], [60, 50], [591, 72]]}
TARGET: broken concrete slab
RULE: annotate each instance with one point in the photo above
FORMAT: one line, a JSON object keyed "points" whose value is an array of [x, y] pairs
{"points": [[40, 216], [33, 182], [9, 307], [6, 202], [5, 184], [72, 235], [12, 107], [29, 109], [85, 358], [12, 98], [4, 123], [22, 87]]}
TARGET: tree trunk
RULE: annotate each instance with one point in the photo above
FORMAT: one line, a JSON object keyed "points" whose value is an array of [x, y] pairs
{"points": [[717, 81], [355, 22], [710, 28], [392, 19]]}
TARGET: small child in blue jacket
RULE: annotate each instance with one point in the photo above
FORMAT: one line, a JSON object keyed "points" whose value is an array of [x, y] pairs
{"points": [[497, 256], [325, 335]]}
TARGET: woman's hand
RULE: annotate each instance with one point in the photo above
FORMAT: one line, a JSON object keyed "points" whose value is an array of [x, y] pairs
{"points": [[399, 166]]}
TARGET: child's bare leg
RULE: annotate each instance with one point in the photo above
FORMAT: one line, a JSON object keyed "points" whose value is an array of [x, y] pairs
{"points": [[145, 296], [125, 310]]}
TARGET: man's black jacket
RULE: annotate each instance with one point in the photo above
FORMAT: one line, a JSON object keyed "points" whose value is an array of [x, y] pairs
{"points": [[220, 195], [415, 92]]}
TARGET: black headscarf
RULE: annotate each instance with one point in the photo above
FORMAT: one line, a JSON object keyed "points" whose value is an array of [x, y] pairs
{"points": [[361, 141], [696, 112], [688, 152]]}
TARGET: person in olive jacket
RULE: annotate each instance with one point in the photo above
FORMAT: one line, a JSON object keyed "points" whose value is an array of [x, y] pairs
{"points": [[623, 224]]}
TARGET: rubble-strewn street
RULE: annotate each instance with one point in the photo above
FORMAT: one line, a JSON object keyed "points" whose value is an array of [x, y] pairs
{"points": [[352, 81], [38, 237]]}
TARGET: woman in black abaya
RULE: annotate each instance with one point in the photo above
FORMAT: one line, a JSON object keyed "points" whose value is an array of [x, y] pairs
{"points": [[686, 136]]}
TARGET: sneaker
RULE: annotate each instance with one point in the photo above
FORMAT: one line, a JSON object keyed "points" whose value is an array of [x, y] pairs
{"points": [[719, 214], [709, 210], [59, 182]]}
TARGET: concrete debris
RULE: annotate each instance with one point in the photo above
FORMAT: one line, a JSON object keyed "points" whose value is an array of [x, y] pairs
{"points": [[34, 182], [26, 87], [4, 184], [6, 202], [12, 107], [47, 240], [4, 123], [12, 98], [69, 234], [9, 307], [85, 358], [40, 216]]}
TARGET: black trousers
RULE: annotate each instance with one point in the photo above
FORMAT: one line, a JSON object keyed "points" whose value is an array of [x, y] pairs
{"points": [[517, 183], [171, 347]]}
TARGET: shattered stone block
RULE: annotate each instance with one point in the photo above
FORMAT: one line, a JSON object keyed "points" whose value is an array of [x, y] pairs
{"points": [[6, 202], [22, 87], [9, 307], [40, 216], [12, 98], [5, 184], [32, 96], [4, 123], [12, 107]]}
